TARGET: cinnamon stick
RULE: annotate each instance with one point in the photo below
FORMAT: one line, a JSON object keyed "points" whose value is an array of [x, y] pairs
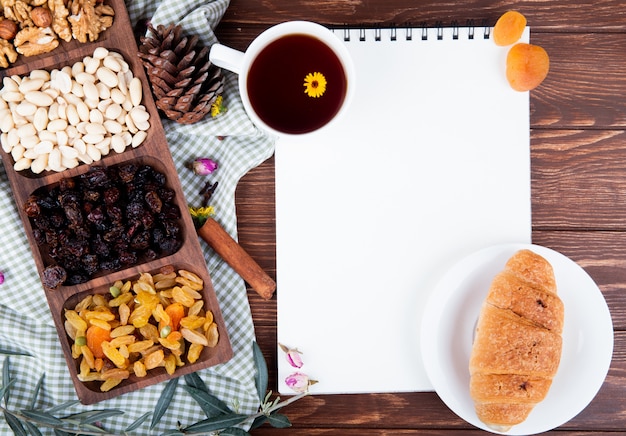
{"points": [[235, 256]]}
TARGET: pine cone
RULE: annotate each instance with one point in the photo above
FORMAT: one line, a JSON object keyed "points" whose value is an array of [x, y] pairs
{"points": [[184, 82]]}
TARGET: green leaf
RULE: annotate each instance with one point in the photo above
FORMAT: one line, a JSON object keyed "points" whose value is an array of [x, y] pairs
{"points": [[42, 417], [261, 376], [135, 425], [6, 387], [216, 423], [91, 416], [164, 401], [258, 422], [62, 406], [195, 381], [33, 400], [210, 404], [71, 423], [14, 352], [234, 431], [278, 420], [34, 431], [173, 433], [6, 379], [15, 424]]}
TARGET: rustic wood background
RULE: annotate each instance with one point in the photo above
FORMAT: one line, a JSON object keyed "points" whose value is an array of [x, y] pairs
{"points": [[578, 149]]}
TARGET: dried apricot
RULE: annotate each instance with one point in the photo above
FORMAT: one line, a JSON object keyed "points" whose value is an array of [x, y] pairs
{"points": [[176, 311], [527, 66], [509, 28], [95, 337]]}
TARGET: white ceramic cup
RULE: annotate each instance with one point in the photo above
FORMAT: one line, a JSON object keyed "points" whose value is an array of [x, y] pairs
{"points": [[285, 115]]}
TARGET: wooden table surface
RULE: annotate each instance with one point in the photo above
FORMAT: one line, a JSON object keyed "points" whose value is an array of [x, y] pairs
{"points": [[578, 176]]}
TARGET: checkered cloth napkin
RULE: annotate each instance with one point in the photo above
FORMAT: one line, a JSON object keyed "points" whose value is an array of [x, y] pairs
{"points": [[25, 320]]}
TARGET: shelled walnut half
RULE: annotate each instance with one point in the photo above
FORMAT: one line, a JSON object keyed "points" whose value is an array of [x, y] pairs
{"points": [[32, 41]]}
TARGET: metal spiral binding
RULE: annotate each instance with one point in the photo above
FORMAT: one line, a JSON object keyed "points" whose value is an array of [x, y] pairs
{"points": [[424, 31]]}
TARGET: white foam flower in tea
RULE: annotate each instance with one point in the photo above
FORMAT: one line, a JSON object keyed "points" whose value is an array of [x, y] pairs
{"points": [[314, 84]]}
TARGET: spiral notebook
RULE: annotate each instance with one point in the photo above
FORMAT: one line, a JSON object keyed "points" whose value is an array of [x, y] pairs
{"points": [[430, 163]]}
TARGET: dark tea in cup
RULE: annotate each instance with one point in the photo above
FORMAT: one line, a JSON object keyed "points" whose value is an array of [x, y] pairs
{"points": [[296, 84], [294, 78]]}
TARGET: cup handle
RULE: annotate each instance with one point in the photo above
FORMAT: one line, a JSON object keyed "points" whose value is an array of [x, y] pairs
{"points": [[226, 57]]}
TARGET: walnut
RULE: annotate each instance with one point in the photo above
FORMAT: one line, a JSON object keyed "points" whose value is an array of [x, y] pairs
{"points": [[8, 55], [21, 12], [41, 16], [88, 21], [32, 41], [8, 29], [60, 24], [7, 9]]}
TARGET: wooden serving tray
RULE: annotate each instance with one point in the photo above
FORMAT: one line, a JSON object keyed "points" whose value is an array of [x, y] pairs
{"points": [[155, 152]]}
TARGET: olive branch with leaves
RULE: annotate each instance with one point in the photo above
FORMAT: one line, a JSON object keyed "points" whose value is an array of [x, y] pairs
{"points": [[220, 419]]}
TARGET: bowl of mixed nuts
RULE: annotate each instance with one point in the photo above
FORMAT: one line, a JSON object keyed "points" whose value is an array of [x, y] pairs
{"points": [[100, 200]]}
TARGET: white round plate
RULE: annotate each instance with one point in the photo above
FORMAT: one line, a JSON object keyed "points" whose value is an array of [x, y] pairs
{"points": [[448, 326]]}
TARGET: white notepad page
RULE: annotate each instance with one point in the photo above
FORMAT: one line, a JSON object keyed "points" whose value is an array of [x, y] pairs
{"points": [[430, 163]]}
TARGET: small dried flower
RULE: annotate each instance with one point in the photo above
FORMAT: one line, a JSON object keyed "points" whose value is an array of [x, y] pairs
{"points": [[218, 107], [202, 212], [299, 382], [293, 356], [314, 84], [1, 278], [199, 215], [203, 166]]}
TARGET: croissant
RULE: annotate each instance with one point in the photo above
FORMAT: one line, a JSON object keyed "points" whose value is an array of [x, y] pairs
{"points": [[517, 342]]}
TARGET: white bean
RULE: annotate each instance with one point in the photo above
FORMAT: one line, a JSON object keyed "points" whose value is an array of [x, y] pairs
{"points": [[56, 125], [26, 108], [139, 138], [45, 135], [54, 160], [40, 119], [112, 64], [118, 143], [68, 152], [63, 82], [17, 152], [112, 126], [108, 77], [113, 111], [39, 163], [22, 164], [30, 141], [72, 115], [101, 53], [31, 85], [40, 74], [96, 116], [39, 98], [44, 147], [62, 138], [26, 130], [95, 129], [69, 162], [93, 152], [4, 140], [91, 92], [135, 91]]}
